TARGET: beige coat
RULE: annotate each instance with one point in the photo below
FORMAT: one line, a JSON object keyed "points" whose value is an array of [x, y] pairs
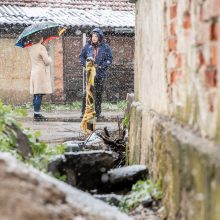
{"points": [[40, 80]]}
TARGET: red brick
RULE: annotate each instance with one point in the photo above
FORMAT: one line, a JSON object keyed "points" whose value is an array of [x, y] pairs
{"points": [[186, 20], [211, 77], [201, 58], [211, 99], [58, 65], [58, 96], [172, 43], [213, 55], [58, 84], [173, 11], [179, 58], [173, 77], [173, 28], [214, 31]]}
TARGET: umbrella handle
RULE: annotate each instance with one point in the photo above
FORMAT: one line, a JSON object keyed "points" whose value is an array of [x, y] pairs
{"points": [[61, 31]]}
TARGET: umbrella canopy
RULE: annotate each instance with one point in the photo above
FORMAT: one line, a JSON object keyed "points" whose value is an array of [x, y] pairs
{"points": [[48, 30]]}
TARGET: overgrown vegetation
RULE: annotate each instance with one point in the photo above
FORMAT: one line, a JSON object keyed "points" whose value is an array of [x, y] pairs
{"points": [[121, 105], [7, 137], [125, 121], [142, 190], [41, 152]]}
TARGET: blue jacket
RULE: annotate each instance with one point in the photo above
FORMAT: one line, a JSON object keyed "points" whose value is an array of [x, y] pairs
{"points": [[103, 58]]}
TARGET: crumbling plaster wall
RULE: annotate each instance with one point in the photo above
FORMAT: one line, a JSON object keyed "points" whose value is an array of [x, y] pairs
{"points": [[15, 68], [14, 72], [174, 119], [177, 62]]}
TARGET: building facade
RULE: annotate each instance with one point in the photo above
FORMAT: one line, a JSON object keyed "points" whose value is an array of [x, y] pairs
{"points": [[116, 19]]}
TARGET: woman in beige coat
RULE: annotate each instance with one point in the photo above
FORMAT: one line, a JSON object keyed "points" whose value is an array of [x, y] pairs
{"points": [[40, 80]]}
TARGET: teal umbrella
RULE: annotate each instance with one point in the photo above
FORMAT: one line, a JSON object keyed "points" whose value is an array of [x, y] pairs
{"points": [[47, 29]]}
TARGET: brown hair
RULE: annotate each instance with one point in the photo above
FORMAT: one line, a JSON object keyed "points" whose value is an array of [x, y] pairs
{"points": [[35, 38]]}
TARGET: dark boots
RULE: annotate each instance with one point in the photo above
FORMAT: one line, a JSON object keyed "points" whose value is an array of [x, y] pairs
{"points": [[39, 117]]}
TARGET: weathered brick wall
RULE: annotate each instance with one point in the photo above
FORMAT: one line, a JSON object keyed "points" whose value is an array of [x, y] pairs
{"points": [[181, 40], [56, 52], [72, 68], [192, 62], [120, 78], [175, 117]]}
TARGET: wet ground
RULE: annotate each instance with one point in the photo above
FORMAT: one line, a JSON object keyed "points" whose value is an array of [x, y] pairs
{"points": [[65, 125]]}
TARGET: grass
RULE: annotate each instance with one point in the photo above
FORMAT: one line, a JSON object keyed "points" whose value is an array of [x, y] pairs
{"points": [[118, 106]]}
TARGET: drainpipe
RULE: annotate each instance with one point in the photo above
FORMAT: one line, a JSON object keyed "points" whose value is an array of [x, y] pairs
{"points": [[84, 42]]}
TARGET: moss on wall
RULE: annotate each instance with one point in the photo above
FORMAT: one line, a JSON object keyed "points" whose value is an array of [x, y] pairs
{"points": [[187, 164]]}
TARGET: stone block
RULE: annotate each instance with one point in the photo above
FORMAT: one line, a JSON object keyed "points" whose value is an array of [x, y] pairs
{"points": [[188, 167], [134, 134], [36, 195]]}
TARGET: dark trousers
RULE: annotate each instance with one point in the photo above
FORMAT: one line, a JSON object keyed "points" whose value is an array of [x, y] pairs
{"points": [[98, 91], [37, 100]]}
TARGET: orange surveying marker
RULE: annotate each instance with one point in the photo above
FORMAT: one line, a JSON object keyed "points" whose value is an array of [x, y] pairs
{"points": [[88, 122]]}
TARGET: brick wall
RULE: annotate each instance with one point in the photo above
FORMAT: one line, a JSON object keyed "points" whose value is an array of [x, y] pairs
{"points": [[57, 71], [120, 78], [72, 68], [174, 120], [192, 62], [180, 51]]}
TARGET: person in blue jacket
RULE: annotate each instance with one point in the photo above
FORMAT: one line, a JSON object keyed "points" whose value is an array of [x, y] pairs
{"points": [[102, 54]]}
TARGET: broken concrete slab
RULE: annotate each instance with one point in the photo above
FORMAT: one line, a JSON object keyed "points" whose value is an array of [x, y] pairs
{"points": [[124, 177], [85, 168], [26, 193]]}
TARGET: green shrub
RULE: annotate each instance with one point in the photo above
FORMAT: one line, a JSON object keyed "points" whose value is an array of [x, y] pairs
{"points": [[42, 153], [140, 191]]}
